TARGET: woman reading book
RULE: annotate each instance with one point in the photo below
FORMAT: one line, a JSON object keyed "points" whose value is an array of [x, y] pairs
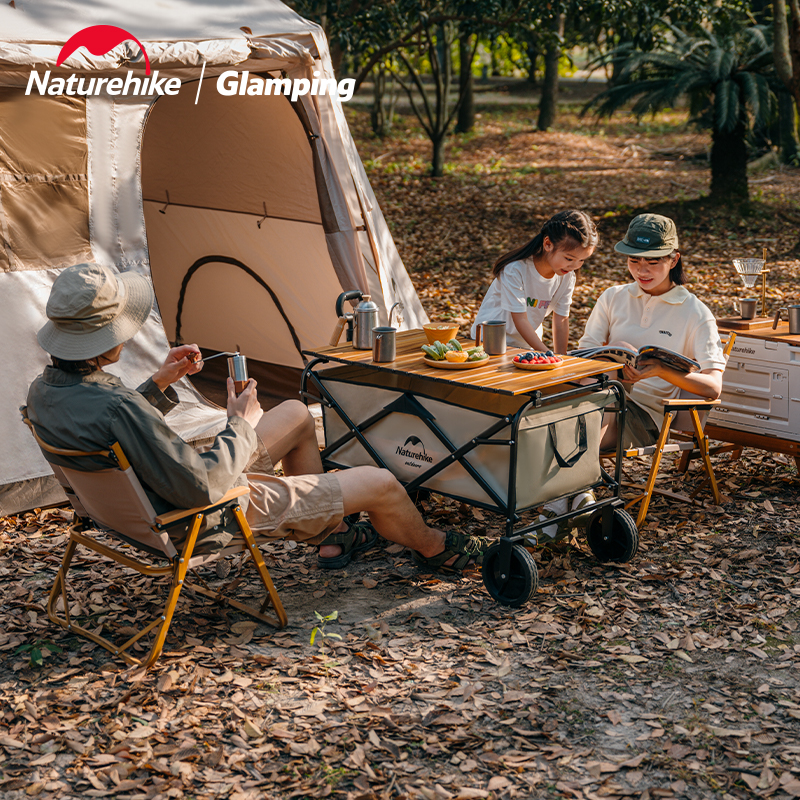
{"points": [[655, 309]]}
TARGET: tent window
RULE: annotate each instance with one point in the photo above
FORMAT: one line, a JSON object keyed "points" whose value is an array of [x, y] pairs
{"points": [[44, 187]]}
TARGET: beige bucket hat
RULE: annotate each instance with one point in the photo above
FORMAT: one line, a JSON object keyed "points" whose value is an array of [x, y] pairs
{"points": [[92, 309]]}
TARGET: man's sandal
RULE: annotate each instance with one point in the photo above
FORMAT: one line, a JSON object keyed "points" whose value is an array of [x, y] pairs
{"points": [[358, 538], [466, 550]]}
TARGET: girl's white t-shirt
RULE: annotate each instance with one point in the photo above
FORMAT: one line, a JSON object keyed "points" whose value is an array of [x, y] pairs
{"points": [[520, 287], [676, 320]]}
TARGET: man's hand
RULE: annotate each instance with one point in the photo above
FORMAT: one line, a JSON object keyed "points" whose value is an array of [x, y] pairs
{"points": [[180, 361], [246, 405]]}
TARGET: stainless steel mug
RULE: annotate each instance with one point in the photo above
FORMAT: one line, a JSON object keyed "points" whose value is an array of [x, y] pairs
{"points": [[793, 312], [494, 336], [747, 307], [384, 342], [237, 369]]}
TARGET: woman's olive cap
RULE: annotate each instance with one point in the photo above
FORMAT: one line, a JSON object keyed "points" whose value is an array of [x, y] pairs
{"points": [[649, 236]]}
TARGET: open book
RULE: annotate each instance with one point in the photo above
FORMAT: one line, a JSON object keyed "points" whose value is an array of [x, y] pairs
{"points": [[633, 358]]}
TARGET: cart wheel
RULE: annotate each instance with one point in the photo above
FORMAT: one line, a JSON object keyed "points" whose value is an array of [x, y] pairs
{"points": [[622, 543], [519, 586]]}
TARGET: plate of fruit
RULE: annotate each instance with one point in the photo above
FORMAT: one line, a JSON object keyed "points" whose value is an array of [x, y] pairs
{"points": [[534, 360], [451, 355]]}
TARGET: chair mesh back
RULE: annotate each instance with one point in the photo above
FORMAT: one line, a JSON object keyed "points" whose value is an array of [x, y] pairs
{"points": [[114, 499]]}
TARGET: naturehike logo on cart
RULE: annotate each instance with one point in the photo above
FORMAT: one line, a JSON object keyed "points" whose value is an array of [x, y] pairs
{"points": [[534, 303], [402, 450]]}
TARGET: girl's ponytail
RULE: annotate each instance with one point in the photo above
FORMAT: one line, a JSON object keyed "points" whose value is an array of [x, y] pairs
{"points": [[571, 224]]}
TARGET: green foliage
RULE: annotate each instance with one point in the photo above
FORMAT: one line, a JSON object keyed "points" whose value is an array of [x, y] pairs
{"points": [[34, 651], [320, 628], [732, 71]]}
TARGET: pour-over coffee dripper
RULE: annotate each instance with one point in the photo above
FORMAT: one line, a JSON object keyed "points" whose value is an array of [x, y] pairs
{"points": [[749, 270]]}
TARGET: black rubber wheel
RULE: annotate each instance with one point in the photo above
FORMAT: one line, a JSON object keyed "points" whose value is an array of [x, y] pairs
{"points": [[623, 542], [520, 585]]}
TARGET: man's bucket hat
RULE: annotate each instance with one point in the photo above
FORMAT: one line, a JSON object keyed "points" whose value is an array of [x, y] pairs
{"points": [[649, 236], [92, 309]]}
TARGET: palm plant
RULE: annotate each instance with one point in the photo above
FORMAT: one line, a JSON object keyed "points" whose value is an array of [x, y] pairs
{"points": [[728, 77]]}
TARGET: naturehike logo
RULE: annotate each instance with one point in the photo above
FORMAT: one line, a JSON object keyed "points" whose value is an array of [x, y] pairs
{"points": [[643, 240], [102, 39], [413, 441], [532, 302], [666, 333], [99, 40]]}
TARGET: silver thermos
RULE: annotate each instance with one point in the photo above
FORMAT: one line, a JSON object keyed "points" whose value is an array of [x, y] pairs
{"points": [[365, 319]]}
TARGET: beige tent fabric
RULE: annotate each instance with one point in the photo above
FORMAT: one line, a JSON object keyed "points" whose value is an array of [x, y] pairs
{"points": [[44, 192], [243, 154], [71, 176]]}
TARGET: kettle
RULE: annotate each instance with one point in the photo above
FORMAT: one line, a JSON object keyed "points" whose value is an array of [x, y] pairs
{"points": [[359, 324]]}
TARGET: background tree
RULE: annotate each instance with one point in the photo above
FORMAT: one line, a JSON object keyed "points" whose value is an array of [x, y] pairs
{"points": [[786, 36], [728, 73]]}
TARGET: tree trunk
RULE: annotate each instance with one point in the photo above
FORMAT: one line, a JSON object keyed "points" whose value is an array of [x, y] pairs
{"points": [[787, 120], [437, 162], [552, 55], [377, 115], [729, 164], [466, 111], [786, 45], [532, 49]]}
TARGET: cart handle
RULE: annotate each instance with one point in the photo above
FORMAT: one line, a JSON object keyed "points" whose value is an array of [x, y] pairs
{"points": [[562, 462]]}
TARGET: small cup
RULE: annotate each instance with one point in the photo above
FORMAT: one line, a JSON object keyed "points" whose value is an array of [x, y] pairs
{"points": [[747, 307], [494, 336], [793, 313], [384, 344]]}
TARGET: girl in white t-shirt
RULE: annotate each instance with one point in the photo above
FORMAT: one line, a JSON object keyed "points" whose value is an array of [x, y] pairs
{"points": [[538, 278]]}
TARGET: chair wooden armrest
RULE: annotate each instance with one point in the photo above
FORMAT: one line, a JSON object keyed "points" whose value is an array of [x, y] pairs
{"points": [[179, 513], [690, 403]]}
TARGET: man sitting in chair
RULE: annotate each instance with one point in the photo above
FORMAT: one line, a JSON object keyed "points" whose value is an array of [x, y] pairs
{"points": [[92, 311]]}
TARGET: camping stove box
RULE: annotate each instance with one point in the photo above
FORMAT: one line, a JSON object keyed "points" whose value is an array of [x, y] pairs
{"points": [[761, 389]]}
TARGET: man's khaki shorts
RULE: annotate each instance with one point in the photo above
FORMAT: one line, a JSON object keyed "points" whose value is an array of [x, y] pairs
{"points": [[305, 508]]}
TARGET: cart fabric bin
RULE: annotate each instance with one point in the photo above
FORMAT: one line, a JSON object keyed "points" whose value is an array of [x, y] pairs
{"points": [[413, 423]]}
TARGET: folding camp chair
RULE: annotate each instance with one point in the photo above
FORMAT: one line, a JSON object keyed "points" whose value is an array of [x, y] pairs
{"points": [[112, 501], [682, 431]]}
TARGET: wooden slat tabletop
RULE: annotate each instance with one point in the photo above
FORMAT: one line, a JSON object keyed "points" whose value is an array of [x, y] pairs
{"points": [[498, 375]]}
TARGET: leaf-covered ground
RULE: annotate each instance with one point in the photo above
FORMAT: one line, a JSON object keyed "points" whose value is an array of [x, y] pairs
{"points": [[673, 676]]}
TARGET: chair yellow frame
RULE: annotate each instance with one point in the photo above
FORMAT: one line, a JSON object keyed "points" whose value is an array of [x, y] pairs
{"points": [[178, 566], [691, 443]]}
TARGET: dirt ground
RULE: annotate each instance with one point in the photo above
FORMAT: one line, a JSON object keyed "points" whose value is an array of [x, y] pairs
{"points": [[675, 675]]}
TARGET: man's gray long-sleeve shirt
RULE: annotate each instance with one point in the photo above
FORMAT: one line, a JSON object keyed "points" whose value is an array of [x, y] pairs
{"points": [[91, 412]]}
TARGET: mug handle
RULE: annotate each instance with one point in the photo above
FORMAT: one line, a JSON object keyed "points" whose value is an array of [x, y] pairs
{"points": [[478, 330], [777, 318]]}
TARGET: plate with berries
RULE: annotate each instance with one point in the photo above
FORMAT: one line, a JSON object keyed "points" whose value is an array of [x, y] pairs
{"points": [[534, 360]]}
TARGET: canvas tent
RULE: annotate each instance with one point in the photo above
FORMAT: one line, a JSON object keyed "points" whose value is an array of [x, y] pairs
{"points": [[250, 213]]}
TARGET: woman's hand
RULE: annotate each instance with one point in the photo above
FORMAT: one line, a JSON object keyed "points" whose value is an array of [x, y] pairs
{"points": [[246, 405], [180, 361], [648, 368]]}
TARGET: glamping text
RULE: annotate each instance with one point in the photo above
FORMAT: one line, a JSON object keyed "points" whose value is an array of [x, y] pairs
{"points": [[232, 83]]}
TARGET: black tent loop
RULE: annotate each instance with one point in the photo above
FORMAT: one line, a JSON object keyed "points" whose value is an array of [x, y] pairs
{"points": [[255, 276]]}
